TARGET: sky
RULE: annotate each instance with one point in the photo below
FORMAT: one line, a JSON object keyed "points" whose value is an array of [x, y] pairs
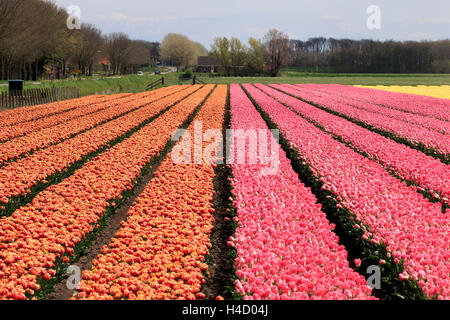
{"points": [[203, 20]]}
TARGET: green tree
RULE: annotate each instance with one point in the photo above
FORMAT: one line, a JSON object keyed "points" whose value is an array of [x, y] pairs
{"points": [[220, 49], [178, 49], [238, 52], [255, 56]]}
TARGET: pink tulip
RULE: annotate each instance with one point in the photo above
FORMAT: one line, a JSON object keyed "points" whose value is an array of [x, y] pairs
{"points": [[415, 133], [412, 228], [410, 164], [285, 244], [404, 276]]}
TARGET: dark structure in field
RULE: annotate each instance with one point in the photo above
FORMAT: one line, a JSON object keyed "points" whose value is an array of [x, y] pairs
{"points": [[207, 64]]}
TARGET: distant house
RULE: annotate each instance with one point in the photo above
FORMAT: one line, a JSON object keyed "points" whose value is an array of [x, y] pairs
{"points": [[105, 63], [207, 64]]}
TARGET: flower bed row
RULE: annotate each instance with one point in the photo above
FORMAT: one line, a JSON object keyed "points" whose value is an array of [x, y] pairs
{"points": [[49, 136], [425, 106], [36, 238], [407, 163], [160, 250], [24, 114], [419, 137], [20, 129], [413, 230], [285, 245], [415, 119], [23, 177]]}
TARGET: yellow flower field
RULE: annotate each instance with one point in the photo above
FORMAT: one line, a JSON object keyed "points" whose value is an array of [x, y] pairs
{"points": [[431, 91]]}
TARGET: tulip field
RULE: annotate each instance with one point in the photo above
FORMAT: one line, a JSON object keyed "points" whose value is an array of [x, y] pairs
{"points": [[361, 183]]}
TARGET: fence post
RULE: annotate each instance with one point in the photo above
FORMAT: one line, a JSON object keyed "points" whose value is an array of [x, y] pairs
{"points": [[33, 96], [47, 95]]}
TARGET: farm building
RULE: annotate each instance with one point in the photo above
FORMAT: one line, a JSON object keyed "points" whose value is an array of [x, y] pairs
{"points": [[207, 64]]}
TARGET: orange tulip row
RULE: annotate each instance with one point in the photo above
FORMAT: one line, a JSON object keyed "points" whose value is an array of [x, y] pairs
{"points": [[160, 250], [24, 114], [45, 137], [35, 237], [20, 129], [19, 177]]}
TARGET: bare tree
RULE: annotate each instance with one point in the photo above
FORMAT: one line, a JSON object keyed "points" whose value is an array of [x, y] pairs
{"points": [[118, 47], [277, 50], [139, 55], [32, 32], [89, 44], [9, 12]]}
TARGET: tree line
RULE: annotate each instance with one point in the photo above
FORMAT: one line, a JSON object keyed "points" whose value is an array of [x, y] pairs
{"points": [[268, 55], [35, 40], [232, 57], [369, 56]]}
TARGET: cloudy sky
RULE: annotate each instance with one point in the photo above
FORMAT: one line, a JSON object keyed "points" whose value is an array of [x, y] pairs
{"points": [[202, 20]]}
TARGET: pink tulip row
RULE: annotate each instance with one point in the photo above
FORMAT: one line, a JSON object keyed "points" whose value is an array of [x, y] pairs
{"points": [[413, 229], [285, 245], [421, 105], [24, 114], [20, 129], [414, 134], [415, 119], [18, 177], [35, 236], [49, 136], [409, 164]]}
